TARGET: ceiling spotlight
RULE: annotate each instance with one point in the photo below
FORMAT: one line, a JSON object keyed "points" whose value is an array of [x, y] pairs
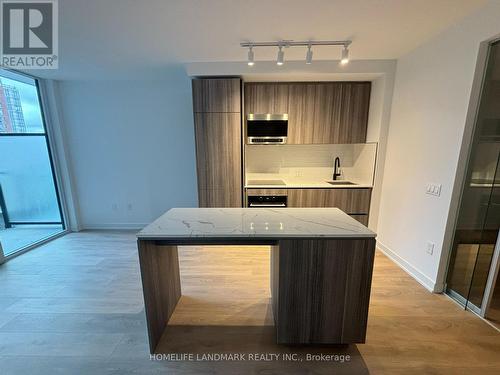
{"points": [[281, 56], [309, 55], [345, 56], [250, 56]]}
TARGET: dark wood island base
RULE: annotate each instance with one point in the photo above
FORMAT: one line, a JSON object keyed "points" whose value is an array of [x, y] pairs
{"points": [[320, 287]]}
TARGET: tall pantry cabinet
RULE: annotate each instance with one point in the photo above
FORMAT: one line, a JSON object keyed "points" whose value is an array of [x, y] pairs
{"points": [[217, 126]]}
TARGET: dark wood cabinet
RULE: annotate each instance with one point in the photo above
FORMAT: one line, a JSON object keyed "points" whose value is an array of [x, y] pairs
{"points": [[318, 112], [354, 112], [328, 112], [221, 197], [351, 201], [217, 95], [266, 97], [301, 104], [218, 145]]}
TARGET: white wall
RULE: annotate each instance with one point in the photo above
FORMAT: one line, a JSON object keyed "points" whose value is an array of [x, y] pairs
{"points": [[431, 96], [378, 128], [131, 147]]}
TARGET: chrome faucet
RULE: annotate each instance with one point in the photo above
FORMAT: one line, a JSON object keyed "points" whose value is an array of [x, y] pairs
{"points": [[336, 169]]}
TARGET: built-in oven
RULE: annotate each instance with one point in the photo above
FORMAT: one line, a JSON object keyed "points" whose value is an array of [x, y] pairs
{"points": [[266, 129], [267, 201]]}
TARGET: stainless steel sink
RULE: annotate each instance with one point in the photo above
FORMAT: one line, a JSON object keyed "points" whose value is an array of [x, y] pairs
{"points": [[341, 182]]}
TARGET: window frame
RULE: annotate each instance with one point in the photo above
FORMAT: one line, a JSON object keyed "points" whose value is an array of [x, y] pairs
{"points": [[55, 170]]}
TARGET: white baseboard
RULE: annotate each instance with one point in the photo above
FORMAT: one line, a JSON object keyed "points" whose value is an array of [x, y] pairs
{"points": [[423, 279], [112, 226]]}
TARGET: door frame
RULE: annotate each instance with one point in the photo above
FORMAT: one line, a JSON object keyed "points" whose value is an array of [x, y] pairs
{"points": [[463, 162]]}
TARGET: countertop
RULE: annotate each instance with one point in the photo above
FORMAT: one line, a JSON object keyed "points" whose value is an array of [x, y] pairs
{"points": [[258, 223], [307, 185]]}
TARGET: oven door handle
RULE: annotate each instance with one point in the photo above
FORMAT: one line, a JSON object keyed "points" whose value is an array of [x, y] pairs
{"points": [[267, 205]]}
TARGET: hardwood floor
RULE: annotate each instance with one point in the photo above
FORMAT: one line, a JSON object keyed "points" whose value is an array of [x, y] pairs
{"points": [[74, 306]]}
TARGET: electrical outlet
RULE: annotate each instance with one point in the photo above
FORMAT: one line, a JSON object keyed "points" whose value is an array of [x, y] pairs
{"points": [[430, 248], [433, 189]]}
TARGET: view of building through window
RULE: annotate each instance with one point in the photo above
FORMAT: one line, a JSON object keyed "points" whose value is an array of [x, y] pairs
{"points": [[11, 112], [19, 106]]}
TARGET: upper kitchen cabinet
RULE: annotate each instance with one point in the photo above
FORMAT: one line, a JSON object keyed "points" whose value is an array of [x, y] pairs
{"points": [[217, 125], [318, 112], [302, 106], [328, 112], [217, 95], [266, 97], [354, 106]]}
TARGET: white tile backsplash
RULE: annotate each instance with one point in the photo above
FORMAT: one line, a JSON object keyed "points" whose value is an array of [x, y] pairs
{"points": [[311, 163]]}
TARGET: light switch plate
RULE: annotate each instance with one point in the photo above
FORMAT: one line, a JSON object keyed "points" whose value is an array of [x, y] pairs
{"points": [[433, 189]]}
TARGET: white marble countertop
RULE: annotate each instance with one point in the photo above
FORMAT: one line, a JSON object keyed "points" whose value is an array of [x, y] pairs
{"points": [[258, 181], [257, 223], [307, 185]]}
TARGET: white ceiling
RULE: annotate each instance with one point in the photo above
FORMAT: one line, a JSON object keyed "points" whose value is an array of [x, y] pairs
{"points": [[105, 38]]}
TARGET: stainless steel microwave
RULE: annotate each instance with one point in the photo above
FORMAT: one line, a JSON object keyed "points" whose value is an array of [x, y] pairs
{"points": [[266, 129]]}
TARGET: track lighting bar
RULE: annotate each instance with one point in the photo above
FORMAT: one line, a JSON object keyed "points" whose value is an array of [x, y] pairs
{"points": [[290, 43]]}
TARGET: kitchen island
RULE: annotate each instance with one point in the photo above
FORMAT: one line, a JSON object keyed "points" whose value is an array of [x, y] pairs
{"points": [[321, 267]]}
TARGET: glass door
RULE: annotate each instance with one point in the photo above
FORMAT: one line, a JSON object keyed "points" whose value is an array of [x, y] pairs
{"points": [[486, 247], [30, 209], [478, 219]]}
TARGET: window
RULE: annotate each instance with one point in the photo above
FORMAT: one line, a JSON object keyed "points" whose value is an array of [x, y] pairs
{"points": [[30, 208]]}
